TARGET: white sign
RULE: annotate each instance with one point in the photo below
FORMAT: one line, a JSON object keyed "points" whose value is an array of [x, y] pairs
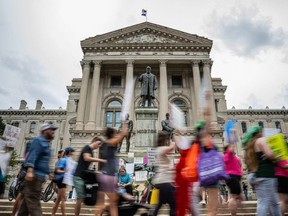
{"points": [[138, 160], [11, 133], [130, 168], [129, 90], [268, 132], [141, 175], [152, 156], [69, 171]]}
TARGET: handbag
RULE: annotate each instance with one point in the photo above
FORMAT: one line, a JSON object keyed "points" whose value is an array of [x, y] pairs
{"points": [[190, 170], [211, 167], [154, 196]]}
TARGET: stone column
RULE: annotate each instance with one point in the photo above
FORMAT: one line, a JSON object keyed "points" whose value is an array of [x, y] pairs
{"points": [[163, 91], [208, 81], [129, 77], [83, 95], [91, 125], [197, 84]]}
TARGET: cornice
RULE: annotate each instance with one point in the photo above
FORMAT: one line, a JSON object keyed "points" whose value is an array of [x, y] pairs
{"points": [[73, 89], [257, 112], [219, 88], [33, 112]]}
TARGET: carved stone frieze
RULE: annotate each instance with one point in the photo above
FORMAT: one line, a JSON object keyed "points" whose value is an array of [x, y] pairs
{"points": [[146, 38]]}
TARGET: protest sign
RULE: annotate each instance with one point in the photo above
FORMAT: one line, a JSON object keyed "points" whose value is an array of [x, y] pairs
{"points": [[11, 133]]}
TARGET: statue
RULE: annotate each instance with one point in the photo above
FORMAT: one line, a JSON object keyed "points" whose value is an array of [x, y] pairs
{"points": [[166, 127], [148, 86], [130, 129]]}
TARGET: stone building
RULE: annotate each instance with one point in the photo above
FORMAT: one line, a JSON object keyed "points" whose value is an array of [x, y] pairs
{"points": [[182, 64]]}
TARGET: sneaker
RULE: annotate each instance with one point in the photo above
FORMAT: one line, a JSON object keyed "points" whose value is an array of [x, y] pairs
{"points": [[202, 202]]}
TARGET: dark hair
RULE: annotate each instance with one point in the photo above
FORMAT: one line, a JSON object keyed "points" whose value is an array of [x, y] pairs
{"points": [[225, 148], [110, 132], [95, 139], [162, 137]]}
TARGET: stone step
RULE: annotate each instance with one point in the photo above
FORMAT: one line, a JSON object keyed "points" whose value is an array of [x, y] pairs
{"points": [[245, 209]]}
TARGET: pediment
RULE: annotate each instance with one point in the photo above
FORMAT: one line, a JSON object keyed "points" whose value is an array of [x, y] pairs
{"points": [[146, 35]]}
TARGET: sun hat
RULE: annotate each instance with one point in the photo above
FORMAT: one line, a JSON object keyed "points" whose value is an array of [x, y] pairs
{"points": [[69, 149]]}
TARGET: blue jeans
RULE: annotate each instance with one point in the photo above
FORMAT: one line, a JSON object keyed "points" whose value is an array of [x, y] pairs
{"points": [[267, 197]]}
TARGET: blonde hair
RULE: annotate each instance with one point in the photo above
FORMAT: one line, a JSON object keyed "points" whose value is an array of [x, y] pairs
{"points": [[250, 154]]}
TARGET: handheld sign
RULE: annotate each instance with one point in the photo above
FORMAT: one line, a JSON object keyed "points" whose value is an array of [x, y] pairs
{"points": [[127, 98]]}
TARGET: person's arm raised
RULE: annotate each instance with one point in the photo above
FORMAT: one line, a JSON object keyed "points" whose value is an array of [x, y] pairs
{"points": [[114, 141]]}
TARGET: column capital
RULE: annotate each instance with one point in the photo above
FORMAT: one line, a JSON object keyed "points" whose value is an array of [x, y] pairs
{"points": [[163, 61], [97, 63], [130, 62], [85, 63], [195, 62], [207, 62]]}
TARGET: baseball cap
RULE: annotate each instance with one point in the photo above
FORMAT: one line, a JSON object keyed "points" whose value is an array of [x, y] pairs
{"points": [[60, 151], [69, 149], [250, 133], [47, 126]]}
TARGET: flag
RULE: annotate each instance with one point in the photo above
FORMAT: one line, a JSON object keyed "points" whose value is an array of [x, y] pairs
{"points": [[144, 12]]}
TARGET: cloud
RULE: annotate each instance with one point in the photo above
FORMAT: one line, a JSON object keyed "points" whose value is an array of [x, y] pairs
{"points": [[244, 31], [252, 101], [29, 79]]}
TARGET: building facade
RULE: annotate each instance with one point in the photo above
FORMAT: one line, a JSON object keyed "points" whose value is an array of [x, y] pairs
{"points": [[180, 61]]}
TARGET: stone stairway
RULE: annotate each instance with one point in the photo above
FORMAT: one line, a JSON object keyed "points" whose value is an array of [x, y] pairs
{"points": [[247, 208]]}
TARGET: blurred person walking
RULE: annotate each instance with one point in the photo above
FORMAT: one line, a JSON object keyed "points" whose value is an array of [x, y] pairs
{"points": [[259, 159], [106, 179], [84, 161], [233, 168], [60, 170], [165, 174], [37, 164]]}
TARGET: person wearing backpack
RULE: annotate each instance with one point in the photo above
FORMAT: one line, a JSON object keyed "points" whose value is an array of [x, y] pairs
{"points": [[59, 176]]}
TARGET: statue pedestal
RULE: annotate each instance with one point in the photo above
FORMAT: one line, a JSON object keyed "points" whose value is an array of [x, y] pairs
{"points": [[146, 127]]}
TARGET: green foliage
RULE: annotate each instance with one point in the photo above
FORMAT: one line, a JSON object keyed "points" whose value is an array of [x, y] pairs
{"points": [[13, 166]]}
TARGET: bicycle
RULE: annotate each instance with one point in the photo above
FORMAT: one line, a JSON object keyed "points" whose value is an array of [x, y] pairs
{"points": [[15, 187], [49, 192]]}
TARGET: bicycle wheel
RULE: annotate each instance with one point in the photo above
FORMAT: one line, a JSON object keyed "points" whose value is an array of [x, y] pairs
{"points": [[48, 193], [10, 192]]}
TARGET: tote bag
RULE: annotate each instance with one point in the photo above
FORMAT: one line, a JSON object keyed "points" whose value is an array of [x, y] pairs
{"points": [[211, 167], [190, 171], [154, 196]]}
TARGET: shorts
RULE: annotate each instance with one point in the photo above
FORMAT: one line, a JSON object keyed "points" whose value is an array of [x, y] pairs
{"points": [[282, 184], [60, 184], [79, 186], [107, 183], [233, 184]]}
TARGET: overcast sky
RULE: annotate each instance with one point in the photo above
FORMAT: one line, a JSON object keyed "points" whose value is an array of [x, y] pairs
{"points": [[40, 44]]}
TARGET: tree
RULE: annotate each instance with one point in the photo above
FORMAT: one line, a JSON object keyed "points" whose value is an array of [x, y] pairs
{"points": [[2, 126]]}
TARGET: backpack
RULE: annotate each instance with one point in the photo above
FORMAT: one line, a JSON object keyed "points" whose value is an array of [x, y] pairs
{"points": [[190, 170]]}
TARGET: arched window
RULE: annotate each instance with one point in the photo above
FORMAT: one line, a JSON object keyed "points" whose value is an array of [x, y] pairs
{"points": [[278, 126], [16, 124], [261, 124], [244, 127], [32, 127], [113, 114], [182, 105]]}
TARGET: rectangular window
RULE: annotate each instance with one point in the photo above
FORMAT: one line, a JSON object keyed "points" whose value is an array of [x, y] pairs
{"points": [[109, 119], [118, 119], [177, 81], [115, 81], [244, 127]]}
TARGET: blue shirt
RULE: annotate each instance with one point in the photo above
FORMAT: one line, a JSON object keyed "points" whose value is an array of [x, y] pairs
{"points": [[61, 164], [124, 179], [39, 157]]}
